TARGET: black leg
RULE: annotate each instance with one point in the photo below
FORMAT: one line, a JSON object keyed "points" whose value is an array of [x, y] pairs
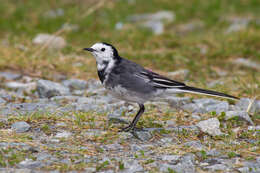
{"points": [[132, 127]]}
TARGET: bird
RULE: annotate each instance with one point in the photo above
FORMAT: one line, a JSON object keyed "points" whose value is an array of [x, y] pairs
{"points": [[129, 81]]}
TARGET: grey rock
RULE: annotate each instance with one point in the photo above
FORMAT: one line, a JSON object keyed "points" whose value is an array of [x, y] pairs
{"points": [[63, 134], [49, 89], [10, 76], [213, 153], [190, 27], [185, 165], [154, 21], [29, 163], [210, 105], [14, 170], [2, 101], [194, 108], [18, 85], [52, 41], [195, 144], [18, 145], [246, 63], [157, 27], [21, 127], [196, 117], [218, 108], [216, 167], [171, 158], [238, 25], [144, 135], [253, 167], [131, 166], [240, 114], [119, 25], [243, 104], [177, 102], [185, 129], [158, 16], [54, 13], [27, 108], [43, 156], [70, 27], [210, 126], [75, 84]]}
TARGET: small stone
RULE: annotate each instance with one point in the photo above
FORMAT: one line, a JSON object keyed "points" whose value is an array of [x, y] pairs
{"points": [[246, 63], [157, 27], [24, 86], [54, 13], [52, 41], [238, 24], [185, 165], [70, 27], [177, 102], [171, 158], [190, 27], [143, 135], [29, 163], [75, 84], [217, 167], [210, 126], [49, 89], [10, 76], [243, 115], [21, 127], [131, 166], [195, 144], [63, 134], [119, 25], [196, 117], [158, 16], [2, 101], [243, 104]]}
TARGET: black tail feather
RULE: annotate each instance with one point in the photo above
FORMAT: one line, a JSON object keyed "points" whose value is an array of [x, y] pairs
{"points": [[207, 92]]}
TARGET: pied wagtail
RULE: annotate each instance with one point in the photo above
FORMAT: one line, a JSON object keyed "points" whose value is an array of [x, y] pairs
{"points": [[131, 82]]}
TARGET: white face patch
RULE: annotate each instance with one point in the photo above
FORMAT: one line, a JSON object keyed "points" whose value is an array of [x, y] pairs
{"points": [[104, 56]]}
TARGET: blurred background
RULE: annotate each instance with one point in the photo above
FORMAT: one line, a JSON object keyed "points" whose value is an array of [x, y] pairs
{"points": [[212, 44]]}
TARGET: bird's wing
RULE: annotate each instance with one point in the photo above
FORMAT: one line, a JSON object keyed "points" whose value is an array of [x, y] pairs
{"points": [[159, 81]]}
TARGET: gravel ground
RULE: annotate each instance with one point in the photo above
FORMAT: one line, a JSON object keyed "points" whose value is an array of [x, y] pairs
{"points": [[72, 125]]}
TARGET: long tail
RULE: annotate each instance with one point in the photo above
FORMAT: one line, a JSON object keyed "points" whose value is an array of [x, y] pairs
{"points": [[194, 90]]}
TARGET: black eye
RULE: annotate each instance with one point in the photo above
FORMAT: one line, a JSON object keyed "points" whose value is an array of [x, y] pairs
{"points": [[103, 49]]}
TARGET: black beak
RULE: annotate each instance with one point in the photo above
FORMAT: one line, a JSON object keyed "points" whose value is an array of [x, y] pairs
{"points": [[89, 49]]}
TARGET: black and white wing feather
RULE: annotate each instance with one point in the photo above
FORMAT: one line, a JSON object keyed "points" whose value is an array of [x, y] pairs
{"points": [[161, 82]]}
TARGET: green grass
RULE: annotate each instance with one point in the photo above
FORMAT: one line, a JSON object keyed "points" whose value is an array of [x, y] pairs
{"points": [[21, 21]]}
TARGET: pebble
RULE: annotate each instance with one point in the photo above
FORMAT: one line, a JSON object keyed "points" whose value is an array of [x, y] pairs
{"points": [[243, 115], [75, 84], [52, 41], [10, 75], [48, 89], [29, 163], [63, 134], [246, 63], [210, 126], [21, 127]]}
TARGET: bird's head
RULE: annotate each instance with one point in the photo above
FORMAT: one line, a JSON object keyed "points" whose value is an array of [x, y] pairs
{"points": [[103, 52]]}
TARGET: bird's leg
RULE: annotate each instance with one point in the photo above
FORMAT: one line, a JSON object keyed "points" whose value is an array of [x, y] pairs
{"points": [[132, 127]]}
